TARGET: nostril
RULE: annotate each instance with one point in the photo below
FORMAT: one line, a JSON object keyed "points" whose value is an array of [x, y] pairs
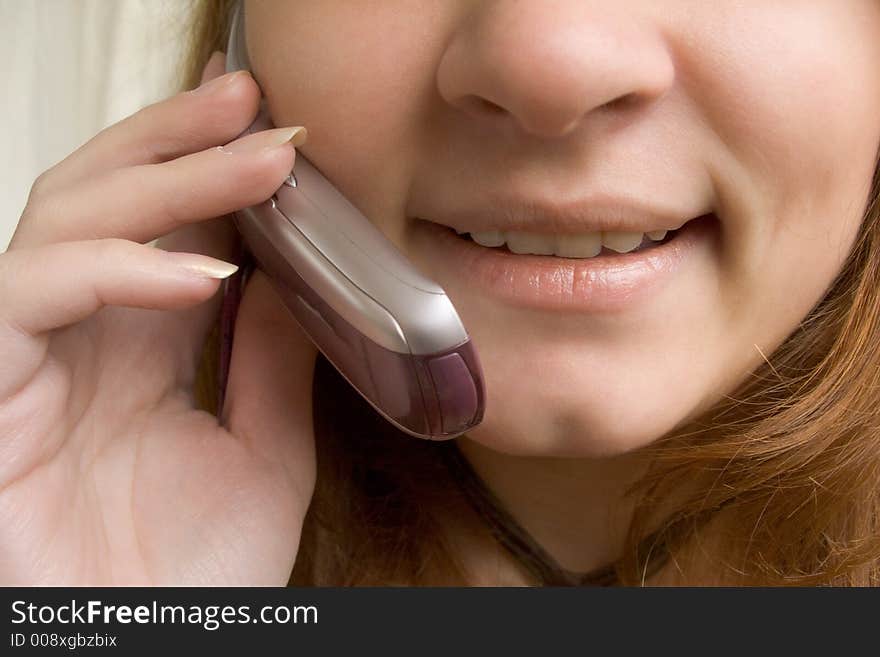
{"points": [[490, 106], [622, 102], [481, 105]]}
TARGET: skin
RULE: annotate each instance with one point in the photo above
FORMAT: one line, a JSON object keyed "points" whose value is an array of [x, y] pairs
{"points": [[763, 112]]}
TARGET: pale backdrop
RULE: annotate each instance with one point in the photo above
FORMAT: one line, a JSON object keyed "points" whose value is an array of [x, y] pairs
{"points": [[68, 68]]}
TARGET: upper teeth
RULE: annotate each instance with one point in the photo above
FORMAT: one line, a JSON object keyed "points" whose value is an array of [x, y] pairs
{"points": [[584, 245]]}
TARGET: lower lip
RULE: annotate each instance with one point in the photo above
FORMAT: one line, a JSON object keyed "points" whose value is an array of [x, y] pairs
{"points": [[603, 284]]}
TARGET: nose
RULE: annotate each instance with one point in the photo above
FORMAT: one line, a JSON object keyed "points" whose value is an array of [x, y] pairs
{"points": [[546, 64]]}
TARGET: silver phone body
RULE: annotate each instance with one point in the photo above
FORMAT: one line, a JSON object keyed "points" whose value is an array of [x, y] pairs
{"points": [[391, 332]]}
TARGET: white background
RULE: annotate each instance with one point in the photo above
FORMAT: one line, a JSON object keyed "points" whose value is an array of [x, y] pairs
{"points": [[69, 68]]}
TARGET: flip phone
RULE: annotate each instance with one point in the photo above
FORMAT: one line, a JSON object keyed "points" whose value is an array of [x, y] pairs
{"points": [[390, 331]]}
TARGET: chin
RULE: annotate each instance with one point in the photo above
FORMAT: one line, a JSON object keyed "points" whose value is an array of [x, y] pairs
{"points": [[571, 430]]}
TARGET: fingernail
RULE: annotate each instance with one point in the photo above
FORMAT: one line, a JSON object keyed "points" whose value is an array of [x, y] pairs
{"points": [[217, 83], [204, 266], [267, 139]]}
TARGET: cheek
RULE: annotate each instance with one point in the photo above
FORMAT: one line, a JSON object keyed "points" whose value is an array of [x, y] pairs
{"points": [[356, 75], [793, 94]]}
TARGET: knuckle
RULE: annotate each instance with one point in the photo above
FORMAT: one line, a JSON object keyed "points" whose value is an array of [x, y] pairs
{"points": [[173, 194], [13, 266], [41, 201], [113, 251], [40, 189], [149, 122], [42, 182]]}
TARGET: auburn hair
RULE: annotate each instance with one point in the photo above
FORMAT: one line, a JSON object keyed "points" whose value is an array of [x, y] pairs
{"points": [[777, 484]]}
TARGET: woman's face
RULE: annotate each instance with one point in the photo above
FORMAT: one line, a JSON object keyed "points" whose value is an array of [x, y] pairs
{"points": [[553, 119]]}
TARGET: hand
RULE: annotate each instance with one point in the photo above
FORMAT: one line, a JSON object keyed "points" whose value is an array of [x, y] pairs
{"points": [[108, 474]]}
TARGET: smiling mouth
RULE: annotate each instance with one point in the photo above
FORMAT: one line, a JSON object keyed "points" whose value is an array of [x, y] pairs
{"points": [[578, 246], [610, 281]]}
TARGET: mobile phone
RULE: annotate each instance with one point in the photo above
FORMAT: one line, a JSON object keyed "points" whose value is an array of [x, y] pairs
{"points": [[390, 331]]}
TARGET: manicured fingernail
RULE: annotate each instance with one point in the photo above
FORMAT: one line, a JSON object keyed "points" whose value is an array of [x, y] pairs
{"points": [[298, 136], [205, 266], [267, 139], [218, 83]]}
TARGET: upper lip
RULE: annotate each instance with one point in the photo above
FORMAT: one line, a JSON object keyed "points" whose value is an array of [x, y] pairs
{"points": [[605, 213]]}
